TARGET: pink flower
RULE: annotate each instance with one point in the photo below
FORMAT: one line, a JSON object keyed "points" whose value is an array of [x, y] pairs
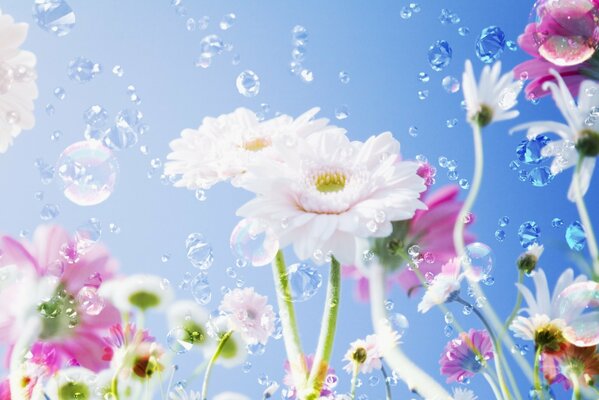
{"points": [[368, 353], [564, 39], [467, 355], [40, 266], [249, 314], [327, 388], [432, 231]]}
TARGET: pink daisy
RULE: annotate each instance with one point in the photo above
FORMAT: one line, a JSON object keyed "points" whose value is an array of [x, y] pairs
{"points": [[467, 355], [249, 314], [41, 265]]}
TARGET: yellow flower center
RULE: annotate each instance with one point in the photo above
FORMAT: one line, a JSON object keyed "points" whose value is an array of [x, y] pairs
{"points": [[549, 337], [329, 182], [257, 144]]}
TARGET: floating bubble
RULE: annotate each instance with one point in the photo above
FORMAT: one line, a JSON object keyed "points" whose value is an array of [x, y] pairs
{"points": [[304, 281], [439, 55], [90, 301], [579, 303], [500, 235], [83, 70], [529, 151], [211, 46], [490, 44], [540, 176], [248, 83], [250, 242], [399, 323], [557, 222], [199, 252], [575, 236], [299, 35], [344, 77], [478, 261], [55, 16], [201, 290], [450, 84], [529, 233], [88, 234], [60, 93], [179, 340], [88, 172], [342, 112], [49, 211]]}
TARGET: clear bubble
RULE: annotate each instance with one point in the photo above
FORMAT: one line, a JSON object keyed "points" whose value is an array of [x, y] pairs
{"points": [[557, 222], [88, 234], [118, 71], [83, 70], [540, 176], [211, 46], [54, 16], [344, 77], [304, 281], [60, 93], [478, 261], [529, 233], [399, 323], [88, 172], [529, 151], [227, 21], [199, 252], [490, 44], [450, 84], [579, 304], [439, 55], [179, 340], [575, 236], [248, 83], [201, 290], [49, 212], [253, 243], [90, 302], [342, 112], [423, 77]]}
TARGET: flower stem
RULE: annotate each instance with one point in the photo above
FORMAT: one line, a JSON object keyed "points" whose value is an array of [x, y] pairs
{"points": [[219, 348], [29, 335], [492, 384], [576, 395], [387, 385], [537, 377], [458, 240], [417, 380], [585, 219], [496, 344], [291, 336], [327, 332], [354, 380]]}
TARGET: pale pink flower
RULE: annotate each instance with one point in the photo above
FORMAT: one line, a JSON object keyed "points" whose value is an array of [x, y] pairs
{"points": [[249, 314], [443, 285]]}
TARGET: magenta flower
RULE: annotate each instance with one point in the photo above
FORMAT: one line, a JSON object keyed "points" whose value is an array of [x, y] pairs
{"points": [[565, 39], [327, 388], [432, 231], [467, 355], [41, 267]]}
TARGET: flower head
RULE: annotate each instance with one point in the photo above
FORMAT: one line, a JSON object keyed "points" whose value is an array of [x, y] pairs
{"points": [[463, 394], [329, 192], [493, 97], [192, 318], [234, 351], [366, 354], [17, 82], [579, 363], [467, 355], [230, 396], [71, 383], [528, 260], [249, 314], [443, 285], [138, 292]]}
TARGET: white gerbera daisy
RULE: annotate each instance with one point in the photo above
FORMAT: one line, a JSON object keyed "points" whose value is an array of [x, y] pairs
{"points": [[179, 393], [234, 352], [230, 396], [329, 192], [73, 383], [249, 313], [492, 99], [444, 284], [368, 353], [463, 394], [141, 292], [579, 136], [222, 148], [191, 317], [17, 82]]}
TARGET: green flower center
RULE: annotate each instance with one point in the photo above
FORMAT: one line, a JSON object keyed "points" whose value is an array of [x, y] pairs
{"points": [[527, 263], [549, 338], [360, 355], [484, 116], [195, 333], [587, 144], [73, 391], [329, 182], [144, 300], [59, 315]]}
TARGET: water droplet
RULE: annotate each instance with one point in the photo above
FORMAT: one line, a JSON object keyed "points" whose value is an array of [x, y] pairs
{"points": [[511, 45], [423, 94], [439, 55], [342, 112], [299, 35], [399, 323], [500, 235], [179, 340], [557, 222], [413, 131], [83, 70], [49, 211], [344, 77], [88, 234], [114, 228], [405, 12], [88, 172], [199, 252], [55, 136], [90, 301], [423, 77], [306, 75], [540, 176], [448, 317], [211, 46], [304, 281], [248, 83], [575, 236], [529, 233], [463, 31], [448, 330], [249, 241], [529, 151], [490, 44], [13, 117], [464, 183], [118, 71], [200, 289], [60, 93], [451, 123], [227, 21], [478, 261], [54, 16], [450, 84], [45, 170]]}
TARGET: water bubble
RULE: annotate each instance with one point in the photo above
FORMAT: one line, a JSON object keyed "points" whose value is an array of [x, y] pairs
{"points": [[342, 112], [500, 235], [448, 317], [448, 330], [306, 75], [579, 302], [55, 136], [523, 175], [464, 183], [199, 252], [450, 84], [463, 31], [467, 310], [49, 211], [179, 340], [118, 71], [60, 93], [299, 35], [344, 77], [451, 123], [211, 46], [423, 94], [529, 233], [88, 234], [399, 323], [90, 301], [511, 45], [13, 117], [478, 261], [490, 44], [83, 70], [575, 236], [227, 21], [114, 228], [45, 170], [304, 281], [557, 222], [514, 165], [540, 176], [248, 83], [54, 16], [251, 242], [529, 151], [423, 77], [413, 131], [88, 172], [200, 289], [405, 12], [439, 55]]}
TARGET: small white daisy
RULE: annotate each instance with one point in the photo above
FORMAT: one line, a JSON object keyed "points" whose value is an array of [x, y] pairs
{"points": [[492, 99], [179, 393], [463, 394], [230, 396], [191, 317], [234, 352], [249, 314], [365, 353], [443, 285], [528, 260], [73, 383], [137, 292]]}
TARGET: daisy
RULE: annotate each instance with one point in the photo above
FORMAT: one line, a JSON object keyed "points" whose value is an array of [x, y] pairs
{"points": [[230, 396], [573, 366], [579, 144], [138, 292], [179, 393], [367, 354], [466, 356], [443, 285], [222, 148], [528, 260], [249, 314], [17, 82], [463, 394], [73, 383], [191, 317], [494, 96], [234, 351], [330, 192]]}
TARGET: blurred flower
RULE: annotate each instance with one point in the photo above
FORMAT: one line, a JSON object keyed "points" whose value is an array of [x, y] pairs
{"points": [[580, 363], [138, 292], [367, 354], [270, 390], [222, 148], [443, 285], [230, 396], [327, 388], [234, 351], [249, 314], [463, 394], [179, 393], [493, 97], [191, 317], [467, 355], [330, 192], [528, 260], [564, 38], [580, 137], [72, 383], [40, 281], [17, 82]]}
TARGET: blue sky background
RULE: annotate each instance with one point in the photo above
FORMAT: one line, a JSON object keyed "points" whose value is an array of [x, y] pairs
{"points": [[383, 54]]}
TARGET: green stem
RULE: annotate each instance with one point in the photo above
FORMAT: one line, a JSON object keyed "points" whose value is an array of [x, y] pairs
{"points": [[537, 377], [387, 385], [492, 384], [585, 219], [354, 380], [517, 306], [327, 332], [291, 337], [219, 348], [576, 395]]}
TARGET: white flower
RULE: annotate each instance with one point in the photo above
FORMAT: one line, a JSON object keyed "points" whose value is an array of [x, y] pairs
{"points": [[535, 250], [222, 148], [527, 327], [528, 260], [463, 394], [445, 283], [234, 352], [329, 191], [73, 383], [579, 136], [493, 97], [368, 352], [17, 82], [141, 292], [249, 314], [230, 396], [191, 317], [179, 393]]}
